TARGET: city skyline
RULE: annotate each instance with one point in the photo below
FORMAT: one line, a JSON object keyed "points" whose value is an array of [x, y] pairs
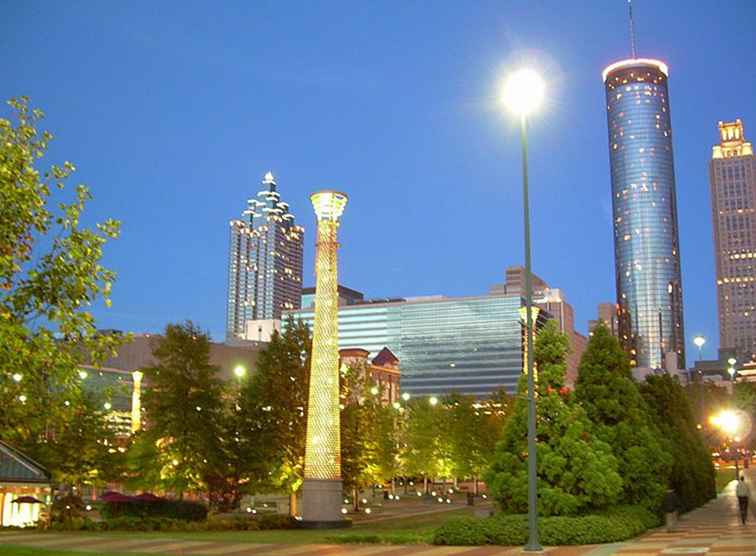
{"points": [[440, 145]]}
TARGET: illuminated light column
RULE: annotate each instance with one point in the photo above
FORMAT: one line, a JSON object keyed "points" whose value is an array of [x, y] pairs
{"points": [[136, 401], [322, 490]]}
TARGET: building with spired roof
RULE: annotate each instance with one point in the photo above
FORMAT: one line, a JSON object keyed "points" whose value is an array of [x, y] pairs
{"points": [[264, 266]]}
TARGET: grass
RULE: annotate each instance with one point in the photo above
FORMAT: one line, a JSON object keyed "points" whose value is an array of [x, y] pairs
{"points": [[723, 477], [410, 529]]}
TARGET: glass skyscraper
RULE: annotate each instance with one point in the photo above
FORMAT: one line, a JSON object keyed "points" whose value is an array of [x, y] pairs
{"points": [[470, 345], [646, 245], [265, 262]]}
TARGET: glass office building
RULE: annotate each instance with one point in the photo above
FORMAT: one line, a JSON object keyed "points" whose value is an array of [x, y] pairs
{"points": [[646, 245], [470, 345]]}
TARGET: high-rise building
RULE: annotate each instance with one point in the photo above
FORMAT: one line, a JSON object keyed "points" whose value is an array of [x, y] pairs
{"points": [[646, 244], [470, 345], [551, 300], [264, 267], [732, 174], [607, 314]]}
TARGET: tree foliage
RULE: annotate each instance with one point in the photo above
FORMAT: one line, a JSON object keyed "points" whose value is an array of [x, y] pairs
{"points": [[692, 474], [274, 408], [606, 390], [50, 277], [183, 408], [576, 470]]}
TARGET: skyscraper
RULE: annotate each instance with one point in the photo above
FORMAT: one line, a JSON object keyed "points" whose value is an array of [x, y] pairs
{"points": [[732, 174], [264, 265], [646, 245]]}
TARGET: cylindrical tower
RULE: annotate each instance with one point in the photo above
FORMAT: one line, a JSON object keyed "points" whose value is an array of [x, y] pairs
{"points": [[321, 491], [646, 244]]}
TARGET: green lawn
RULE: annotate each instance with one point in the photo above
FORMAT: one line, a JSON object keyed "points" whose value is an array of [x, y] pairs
{"points": [[724, 476], [400, 530]]}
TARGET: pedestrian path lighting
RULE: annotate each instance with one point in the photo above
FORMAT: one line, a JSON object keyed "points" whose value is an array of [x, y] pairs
{"points": [[522, 95]]}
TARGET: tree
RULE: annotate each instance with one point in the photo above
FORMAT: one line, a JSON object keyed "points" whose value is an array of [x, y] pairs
{"points": [[359, 431], [606, 390], [473, 429], [576, 470], [692, 474], [50, 277], [425, 452], [274, 407], [183, 408]]}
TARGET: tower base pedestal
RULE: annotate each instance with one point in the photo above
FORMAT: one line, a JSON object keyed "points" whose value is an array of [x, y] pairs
{"points": [[322, 503]]}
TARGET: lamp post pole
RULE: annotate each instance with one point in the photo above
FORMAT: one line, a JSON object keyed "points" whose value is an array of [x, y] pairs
{"points": [[533, 542]]}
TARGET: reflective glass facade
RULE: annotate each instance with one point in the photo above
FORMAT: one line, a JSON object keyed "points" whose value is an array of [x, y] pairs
{"points": [[470, 345], [646, 245]]}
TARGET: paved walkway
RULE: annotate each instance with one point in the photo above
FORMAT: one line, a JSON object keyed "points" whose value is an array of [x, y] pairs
{"points": [[712, 529]]}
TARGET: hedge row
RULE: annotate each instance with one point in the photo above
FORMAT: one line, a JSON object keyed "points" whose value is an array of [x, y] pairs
{"points": [[130, 523], [615, 525], [174, 509]]}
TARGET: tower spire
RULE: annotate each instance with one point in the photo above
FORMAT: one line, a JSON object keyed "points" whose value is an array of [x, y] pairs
{"points": [[632, 29]]}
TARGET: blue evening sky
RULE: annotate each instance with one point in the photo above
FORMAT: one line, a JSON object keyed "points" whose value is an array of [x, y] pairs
{"points": [[173, 111]]}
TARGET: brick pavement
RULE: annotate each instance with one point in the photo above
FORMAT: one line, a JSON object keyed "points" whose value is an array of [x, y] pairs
{"points": [[713, 529]]}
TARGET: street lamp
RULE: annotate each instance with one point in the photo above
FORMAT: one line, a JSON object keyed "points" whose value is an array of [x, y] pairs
{"points": [[699, 342], [406, 396], [522, 94], [433, 400], [240, 371]]}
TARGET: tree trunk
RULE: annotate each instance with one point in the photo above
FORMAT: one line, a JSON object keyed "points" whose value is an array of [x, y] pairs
{"points": [[406, 485], [356, 499], [293, 504], [456, 483], [475, 485], [425, 484], [393, 486]]}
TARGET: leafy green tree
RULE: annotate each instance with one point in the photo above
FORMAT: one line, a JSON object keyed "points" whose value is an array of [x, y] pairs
{"points": [[692, 475], [606, 390], [426, 452], [576, 470], [183, 408], [359, 431], [274, 406], [50, 277], [473, 430], [389, 429]]}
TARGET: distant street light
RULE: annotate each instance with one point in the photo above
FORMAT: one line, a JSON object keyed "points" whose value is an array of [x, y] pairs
{"points": [[240, 371], [699, 341], [406, 396], [522, 94], [17, 377], [433, 400]]}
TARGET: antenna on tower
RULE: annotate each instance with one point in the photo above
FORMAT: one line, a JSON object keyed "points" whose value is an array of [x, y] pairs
{"points": [[632, 28]]}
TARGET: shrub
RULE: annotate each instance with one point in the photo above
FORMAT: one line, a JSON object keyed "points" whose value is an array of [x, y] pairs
{"points": [[175, 509], [615, 525], [276, 521]]}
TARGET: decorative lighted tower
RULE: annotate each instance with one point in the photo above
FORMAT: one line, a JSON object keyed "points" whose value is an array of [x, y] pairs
{"points": [[322, 492]]}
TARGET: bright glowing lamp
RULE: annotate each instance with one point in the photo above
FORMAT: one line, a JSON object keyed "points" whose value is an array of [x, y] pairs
{"points": [[17, 377], [240, 371], [108, 406], [406, 396], [83, 374], [433, 400], [523, 91], [732, 361], [374, 390], [699, 341], [731, 370]]}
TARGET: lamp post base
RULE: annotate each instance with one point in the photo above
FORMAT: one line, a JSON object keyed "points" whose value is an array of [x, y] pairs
{"points": [[322, 503]]}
